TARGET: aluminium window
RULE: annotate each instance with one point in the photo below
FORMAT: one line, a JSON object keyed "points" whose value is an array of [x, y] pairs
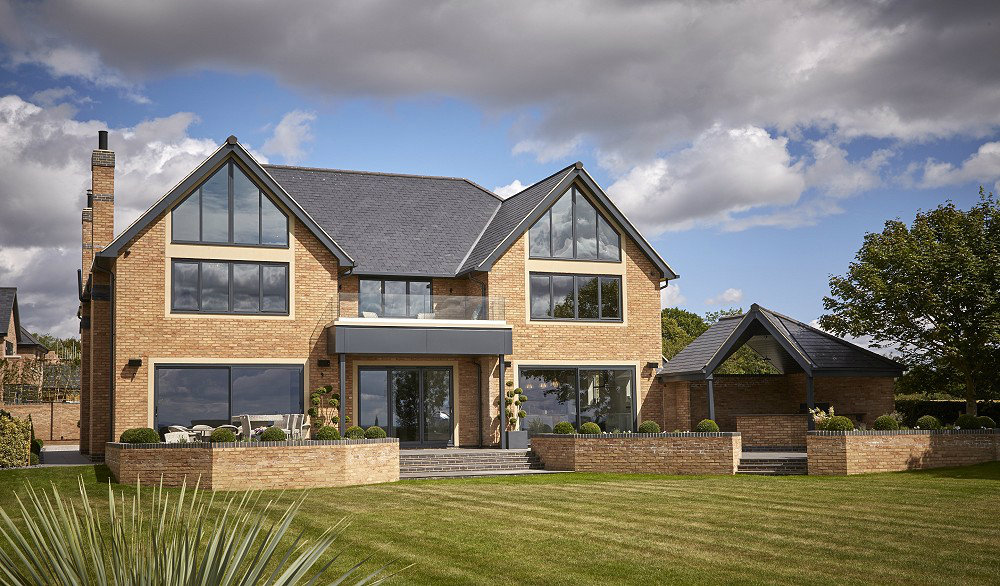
{"points": [[573, 229], [237, 287], [604, 395], [575, 297], [8, 348], [394, 297]]}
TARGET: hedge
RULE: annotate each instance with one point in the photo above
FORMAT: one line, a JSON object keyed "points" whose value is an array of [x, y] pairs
{"points": [[946, 411], [14, 437]]}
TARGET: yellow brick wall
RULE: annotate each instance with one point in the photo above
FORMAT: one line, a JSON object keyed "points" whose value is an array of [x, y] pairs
{"points": [[843, 453], [668, 454]]}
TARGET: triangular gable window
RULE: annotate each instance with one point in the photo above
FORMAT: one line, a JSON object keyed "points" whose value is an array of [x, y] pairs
{"points": [[229, 208], [573, 229]]}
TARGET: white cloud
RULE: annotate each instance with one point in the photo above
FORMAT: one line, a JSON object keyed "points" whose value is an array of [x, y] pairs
{"points": [[290, 135], [730, 296], [510, 189], [546, 151], [671, 296], [833, 174], [65, 61], [983, 166]]}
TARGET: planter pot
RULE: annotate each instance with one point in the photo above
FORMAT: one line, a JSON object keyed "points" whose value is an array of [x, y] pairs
{"points": [[517, 440]]}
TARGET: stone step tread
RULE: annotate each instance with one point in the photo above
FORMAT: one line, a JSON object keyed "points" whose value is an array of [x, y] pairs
{"points": [[769, 473], [477, 473], [457, 468]]}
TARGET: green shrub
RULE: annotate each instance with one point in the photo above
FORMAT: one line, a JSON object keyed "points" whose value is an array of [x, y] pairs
{"points": [[223, 435], [273, 434], [928, 422], [33, 459], [885, 422], [564, 427], [649, 427], [36, 445], [354, 432], [966, 421], [707, 425], [139, 435], [327, 432], [522, 414], [14, 437], [312, 412], [839, 423], [987, 422], [374, 432], [590, 428]]}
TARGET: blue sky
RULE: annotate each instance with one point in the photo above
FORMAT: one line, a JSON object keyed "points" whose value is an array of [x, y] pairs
{"points": [[754, 165]]}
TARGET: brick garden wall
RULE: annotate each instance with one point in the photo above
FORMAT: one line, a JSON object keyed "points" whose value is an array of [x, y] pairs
{"points": [[773, 430], [260, 466], [669, 453], [52, 421], [861, 452]]}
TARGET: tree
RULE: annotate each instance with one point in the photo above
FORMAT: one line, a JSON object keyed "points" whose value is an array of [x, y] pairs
{"points": [[931, 290], [680, 327]]}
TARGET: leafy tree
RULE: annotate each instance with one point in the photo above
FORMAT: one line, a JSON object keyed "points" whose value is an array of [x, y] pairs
{"points": [[931, 290], [680, 327]]}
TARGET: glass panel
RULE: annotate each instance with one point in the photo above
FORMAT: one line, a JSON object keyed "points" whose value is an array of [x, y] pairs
{"points": [[606, 398], [540, 298], [191, 396], [538, 238], [246, 209], [267, 390], [215, 207], [374, 402], [275, 288], [562, 297], [587, 297], [185, 221], [395, 298], [274, 224], [246, 288], [609, 242], [420, 298], [370, 298], [586, 228], [551, 398], [437, 404], [562, 227], [405, 385], [611, 298], [214, 286], [185, 286]]}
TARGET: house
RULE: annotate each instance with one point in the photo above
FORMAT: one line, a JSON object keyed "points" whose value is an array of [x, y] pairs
{"points": [[21, 355], [421, 301]]}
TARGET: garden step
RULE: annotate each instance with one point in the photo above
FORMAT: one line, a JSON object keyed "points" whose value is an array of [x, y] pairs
{"points": [[770, 464], [466, 462]]}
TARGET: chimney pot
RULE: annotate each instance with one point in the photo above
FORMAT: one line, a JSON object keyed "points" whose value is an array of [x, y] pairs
{"points": [[102, 140]]}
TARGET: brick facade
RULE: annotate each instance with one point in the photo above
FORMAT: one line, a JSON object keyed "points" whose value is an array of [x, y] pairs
{"points": [[842, 453], [773, 430], [257, 466], [693, 453], [52, 421]]}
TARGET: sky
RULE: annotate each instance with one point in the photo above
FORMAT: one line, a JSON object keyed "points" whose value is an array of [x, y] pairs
{"points": [[753, 143]]}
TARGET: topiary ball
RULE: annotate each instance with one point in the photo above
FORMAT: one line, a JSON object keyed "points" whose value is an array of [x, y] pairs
{"points": [[839, 423], [273, 434], [223, 435], [564, 427], [327, 432], [374, 432], [354, 432], [590, 428], [649, 427], [706, 425], [928, 422], [139, 435], [967, 421], [33, 459], [885, 422], [983, 420], [36, 446]]}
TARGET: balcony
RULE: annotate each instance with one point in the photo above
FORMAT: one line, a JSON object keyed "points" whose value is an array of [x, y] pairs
{"points": [[419, 324]]}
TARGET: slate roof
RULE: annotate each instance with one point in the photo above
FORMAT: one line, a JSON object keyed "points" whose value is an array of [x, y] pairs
{"points": [[799, 347], [24, 338], [7, 296]]}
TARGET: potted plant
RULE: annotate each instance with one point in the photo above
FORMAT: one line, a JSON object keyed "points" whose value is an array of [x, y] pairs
{"points": [[517, 439]]}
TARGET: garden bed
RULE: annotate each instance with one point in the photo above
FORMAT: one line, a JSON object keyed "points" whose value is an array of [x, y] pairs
{"points": [[860, 452], [257, 465], [641, 453]]}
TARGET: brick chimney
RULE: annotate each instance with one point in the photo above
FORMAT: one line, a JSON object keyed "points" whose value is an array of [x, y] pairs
{"points": [[100, 202]]}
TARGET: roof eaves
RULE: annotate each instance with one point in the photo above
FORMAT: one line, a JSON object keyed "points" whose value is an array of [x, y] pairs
{"points": [[839, 339]]}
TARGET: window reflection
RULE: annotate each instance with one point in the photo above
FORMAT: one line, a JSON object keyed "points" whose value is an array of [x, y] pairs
{"points": [[603, 396]]}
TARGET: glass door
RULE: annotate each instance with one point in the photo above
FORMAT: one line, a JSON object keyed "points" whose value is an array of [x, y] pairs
{"points": [[411, 403]]}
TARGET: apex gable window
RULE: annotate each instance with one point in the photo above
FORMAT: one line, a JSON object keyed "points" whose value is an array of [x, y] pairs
{"points": [[200, 286], [229, 208], [573, 229], [575, 297]]}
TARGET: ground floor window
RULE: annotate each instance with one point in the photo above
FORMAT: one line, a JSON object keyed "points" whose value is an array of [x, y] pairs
{"points": [[411, 403], [605, 396], [211, 395]]}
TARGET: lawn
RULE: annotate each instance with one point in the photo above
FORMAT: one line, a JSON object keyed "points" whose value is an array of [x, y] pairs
{"points": [[933, 526]]}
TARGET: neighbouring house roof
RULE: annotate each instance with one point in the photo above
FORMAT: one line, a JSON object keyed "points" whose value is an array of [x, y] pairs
{"points": [[25, 339], [8, 301], [788, 344]]}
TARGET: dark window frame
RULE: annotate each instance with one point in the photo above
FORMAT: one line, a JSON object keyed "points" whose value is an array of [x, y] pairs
{"points": [[229, 266], [382, 281], [390, 426], [588, 367], [196, 192], [577, 277], [8, 348], [573, 192]]}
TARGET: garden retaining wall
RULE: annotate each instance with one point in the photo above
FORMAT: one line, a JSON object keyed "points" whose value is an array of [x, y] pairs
{"points": [[258, 465], [52, 421], [860, 452], [641, 453], [787, 431]]}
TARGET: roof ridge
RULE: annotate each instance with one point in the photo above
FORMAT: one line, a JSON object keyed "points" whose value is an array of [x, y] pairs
{"points": [[563, 170], [381, 173]]}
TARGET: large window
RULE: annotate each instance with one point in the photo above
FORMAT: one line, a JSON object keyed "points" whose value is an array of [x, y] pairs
{"points": [[411, 403], [229, 208], [394, 298], [576, 297], [604, 396], [211, 395], [573, 229], [202, 286]]}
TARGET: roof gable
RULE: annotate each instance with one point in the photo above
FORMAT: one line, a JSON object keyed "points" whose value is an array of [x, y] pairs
{"points": [[8, 306]]}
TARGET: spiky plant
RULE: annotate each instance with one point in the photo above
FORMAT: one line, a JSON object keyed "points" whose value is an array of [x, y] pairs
{"points": [[165, 539]]}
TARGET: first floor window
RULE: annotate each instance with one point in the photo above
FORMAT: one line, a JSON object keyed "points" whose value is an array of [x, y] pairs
{"points": [[575, 297], [604, 396], [394, 298], [199, 286], [190, 395], [8, 348]]}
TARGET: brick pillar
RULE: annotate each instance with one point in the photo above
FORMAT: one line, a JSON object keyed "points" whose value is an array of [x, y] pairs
{"points": [[85, 377], [100, 364]]}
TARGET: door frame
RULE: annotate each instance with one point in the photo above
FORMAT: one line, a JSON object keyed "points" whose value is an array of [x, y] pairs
{"points": [[421, 423]]}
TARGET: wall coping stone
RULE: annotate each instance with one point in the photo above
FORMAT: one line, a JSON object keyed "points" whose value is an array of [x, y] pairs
{"points": [[904, 432], [641, 435], [251, 445]]}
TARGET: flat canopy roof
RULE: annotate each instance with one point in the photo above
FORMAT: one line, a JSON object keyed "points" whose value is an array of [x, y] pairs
{"points": [[788, 344]]}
